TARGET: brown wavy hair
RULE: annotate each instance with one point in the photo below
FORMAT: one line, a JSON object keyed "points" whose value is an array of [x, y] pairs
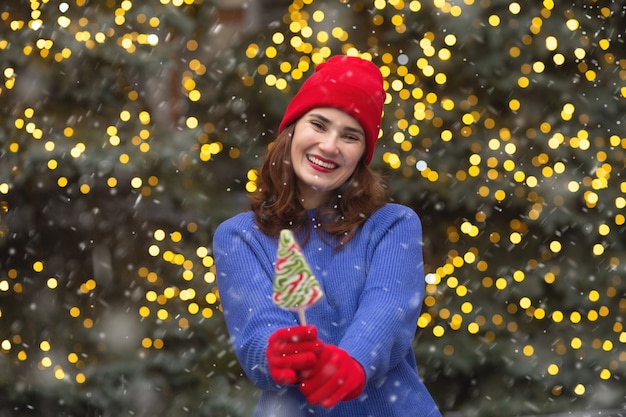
{"points": [[276, 205]]}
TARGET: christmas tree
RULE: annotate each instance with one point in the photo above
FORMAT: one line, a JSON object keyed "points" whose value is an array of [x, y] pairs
{"points": [[130, 130]]}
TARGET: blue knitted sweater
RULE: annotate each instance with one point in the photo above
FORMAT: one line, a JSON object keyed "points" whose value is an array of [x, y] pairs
{"points": [[373, 290]]}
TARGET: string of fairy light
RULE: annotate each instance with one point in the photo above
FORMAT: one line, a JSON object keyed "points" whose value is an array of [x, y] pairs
{"points": [[411, 106], [402, 86], [84, 34]]}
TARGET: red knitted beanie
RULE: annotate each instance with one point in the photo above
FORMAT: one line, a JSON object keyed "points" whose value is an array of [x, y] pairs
{"points": [[348, 83]]}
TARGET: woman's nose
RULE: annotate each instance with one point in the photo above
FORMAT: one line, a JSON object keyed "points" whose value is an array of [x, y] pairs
{"points": [[328, 144]]}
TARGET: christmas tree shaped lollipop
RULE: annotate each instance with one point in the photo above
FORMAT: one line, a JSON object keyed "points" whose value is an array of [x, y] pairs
{"points": [[295, 286]]}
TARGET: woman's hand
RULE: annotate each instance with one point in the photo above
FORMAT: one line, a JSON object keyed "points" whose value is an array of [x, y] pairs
{"points": [[292, 353], [337, 377]]}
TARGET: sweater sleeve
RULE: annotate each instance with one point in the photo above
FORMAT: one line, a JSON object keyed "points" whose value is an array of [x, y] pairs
{"points": [[244, 263], [385, 322]]}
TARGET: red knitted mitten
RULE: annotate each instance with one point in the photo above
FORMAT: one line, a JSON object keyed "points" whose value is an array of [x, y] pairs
{"points": [[337, 377], [292, 353]]}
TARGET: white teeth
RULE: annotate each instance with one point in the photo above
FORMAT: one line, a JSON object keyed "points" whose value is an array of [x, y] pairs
{"points": [[319, 162]]}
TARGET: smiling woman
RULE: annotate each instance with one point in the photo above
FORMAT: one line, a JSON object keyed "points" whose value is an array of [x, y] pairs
{"points": [[356, 357], [345, 95], [327, 145]]}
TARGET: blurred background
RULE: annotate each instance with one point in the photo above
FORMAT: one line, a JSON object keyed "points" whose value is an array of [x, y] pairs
{"points": [[130, 129]]}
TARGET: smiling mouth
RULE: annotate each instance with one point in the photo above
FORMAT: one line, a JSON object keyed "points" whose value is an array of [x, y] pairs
{"points": [[321, 163]]}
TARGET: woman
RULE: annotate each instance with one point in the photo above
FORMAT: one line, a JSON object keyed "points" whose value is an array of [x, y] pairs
{"points": [[355, 358]]}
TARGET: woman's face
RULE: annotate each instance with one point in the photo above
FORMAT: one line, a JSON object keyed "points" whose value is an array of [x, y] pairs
{"points": [[326, 147]]}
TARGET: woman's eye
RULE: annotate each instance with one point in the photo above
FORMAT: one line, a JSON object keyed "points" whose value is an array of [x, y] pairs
{"points": [[317, 124]]}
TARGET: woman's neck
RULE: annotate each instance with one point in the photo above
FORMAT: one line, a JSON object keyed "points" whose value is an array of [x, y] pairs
{"points": [[312, 199]]}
